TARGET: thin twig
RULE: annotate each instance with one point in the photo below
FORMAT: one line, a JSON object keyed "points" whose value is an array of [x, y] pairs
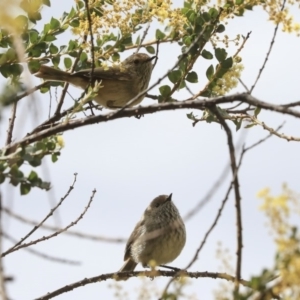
{"points": [[17, 245], [11, 123], [243, 44], [244, 85], [150, 274], [234, 169], [30, 91], [78, 234], [3, 294], [291, 104], [245, 149], [61, 100], [212, 226], [143, 38], [44, 238], [43, 255], [268, 53], [208, 195]]}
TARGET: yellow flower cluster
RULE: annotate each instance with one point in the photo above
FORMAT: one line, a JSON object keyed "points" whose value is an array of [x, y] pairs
{"points": [[279, 210], [229, 80], [273, 9], [125, 15]]}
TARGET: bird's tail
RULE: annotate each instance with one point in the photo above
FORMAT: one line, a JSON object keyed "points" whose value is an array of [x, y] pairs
{"points": [[128, 266], [52, 74]]}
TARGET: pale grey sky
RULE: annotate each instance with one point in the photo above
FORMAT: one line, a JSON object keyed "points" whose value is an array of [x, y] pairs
{"points": [[131, 161]]}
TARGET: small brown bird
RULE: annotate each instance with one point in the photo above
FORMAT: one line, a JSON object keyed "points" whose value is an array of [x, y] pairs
{"points": [[159, 235], [119, 83]]}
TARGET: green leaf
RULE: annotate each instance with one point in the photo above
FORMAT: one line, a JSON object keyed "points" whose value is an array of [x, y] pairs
{"points": [[3, 166], [33, 176], [44, 185], [11, 54], [239, 2], [68, 62], [213, 13], [206, 16], [250, 125], [150, 49], [49, 38], [15, 172], [53, 49], [159, 35], [174, 76], [220, 54], [220, 28], [56, 60], [2, 177], [47, 2], [46, 28], [54, 23], [127, 40], [187, 40], [35, 161], [33, 66], [83, 57], [227, 63], [207, 54], [192, 77], [210, 72], [257, 111], [25, 188], [16, 69], [75, 23], [165, 90], [138, 40], [54, 157], [33, 36], [238, 124], [51, 146], [44, 89], [115, 56]]}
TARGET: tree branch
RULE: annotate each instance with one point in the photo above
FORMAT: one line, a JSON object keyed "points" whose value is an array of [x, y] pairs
{"points": [[44, 238], [126, 275], [134, 111], [234, 169]]}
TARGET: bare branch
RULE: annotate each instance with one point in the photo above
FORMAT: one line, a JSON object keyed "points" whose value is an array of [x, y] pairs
{"points": [[234, 169], [44, 238], [291, 104], [268, 53], [43, 255], [208, 195], [126, 275], [78, 234], [3, 294], [11, 123], [143, 38], [262, 140], [245, 39], [17, 245], [30, 91]]}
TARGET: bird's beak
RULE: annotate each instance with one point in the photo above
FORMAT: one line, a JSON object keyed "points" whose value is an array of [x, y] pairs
{"points": [[153, 57], [169, 198]]}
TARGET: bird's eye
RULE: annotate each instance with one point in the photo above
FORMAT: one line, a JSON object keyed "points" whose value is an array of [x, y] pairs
{"points": [[157, 205], [136, 61]]}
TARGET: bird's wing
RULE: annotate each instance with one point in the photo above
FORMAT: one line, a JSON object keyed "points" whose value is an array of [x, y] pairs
{"points": [[113, 73], [134, 235]]}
